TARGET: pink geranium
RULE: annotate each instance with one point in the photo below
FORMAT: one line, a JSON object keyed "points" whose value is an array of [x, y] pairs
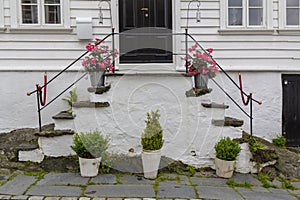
{"points": [[201, 62], [99, 57]]}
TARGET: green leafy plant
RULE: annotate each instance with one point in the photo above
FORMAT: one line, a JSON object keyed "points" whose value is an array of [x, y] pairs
{"points": [[227, 149], [90, 145], [280, 141], [71, 99], [255, 145], [232, 183], [152, 137]]}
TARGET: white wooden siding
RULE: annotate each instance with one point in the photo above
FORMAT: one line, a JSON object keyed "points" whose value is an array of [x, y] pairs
{"points": [[242, 49]]}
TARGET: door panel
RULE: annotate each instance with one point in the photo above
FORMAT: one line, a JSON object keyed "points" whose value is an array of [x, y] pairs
{"points": [[150, 17], [291, 108]]}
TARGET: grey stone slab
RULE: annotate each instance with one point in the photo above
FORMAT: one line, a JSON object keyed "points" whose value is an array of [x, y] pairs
{"points": [[70, 198], [169, 183], [170, 176], [18, 185], [36, 198], [44, 190], [281, 191], [104, 178], [251, 195], [4, 177], [175, 191], [295, 192], [20, 197], [260, 189], [63, 179], [134, 180], [5, 197], [120, 191], [184, 180], [249, 178], [208, 181], [52, 198], [224, 193], [296, 185]]}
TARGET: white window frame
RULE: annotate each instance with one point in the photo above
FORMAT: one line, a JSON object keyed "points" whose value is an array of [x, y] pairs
{"points": [[282, 17], [16, 16], [267, 17], [1, 15]]}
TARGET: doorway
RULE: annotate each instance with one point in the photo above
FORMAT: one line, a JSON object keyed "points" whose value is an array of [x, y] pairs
{"points": [[291, 109], [145, 31]]}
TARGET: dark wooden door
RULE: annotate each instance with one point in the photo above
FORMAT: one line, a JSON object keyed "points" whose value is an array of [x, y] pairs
{"points": [[145, 28], [291, 108]]}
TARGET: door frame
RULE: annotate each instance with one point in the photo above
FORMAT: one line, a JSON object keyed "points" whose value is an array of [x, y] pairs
{"points": [[176, 42]]}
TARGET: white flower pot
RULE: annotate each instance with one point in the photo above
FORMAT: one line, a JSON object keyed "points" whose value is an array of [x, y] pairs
{"points": [[224, 168], [89, 167], [151, 160]]}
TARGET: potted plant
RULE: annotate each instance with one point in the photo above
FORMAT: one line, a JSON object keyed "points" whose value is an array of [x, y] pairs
{"points": [[90, 147], [152, 142], [201, 65], [227, 151], [97, 62]]}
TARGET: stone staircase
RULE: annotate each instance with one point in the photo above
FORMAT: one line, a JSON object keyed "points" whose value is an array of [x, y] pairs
{"points": [[192, 124]]}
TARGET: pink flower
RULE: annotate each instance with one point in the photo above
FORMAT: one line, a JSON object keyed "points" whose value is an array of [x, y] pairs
{"points": [[204, 71], [93, 61], [209, 50], [102, 65], [111, 67], [84, 63]]}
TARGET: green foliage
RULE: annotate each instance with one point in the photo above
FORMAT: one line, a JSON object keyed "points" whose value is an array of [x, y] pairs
{"points": [[191, 169], [280, 141], [90, 145], [227, 149], [71, 99], [265, 179], [152, 138], [232, 183], [286, 184], [255, 145]]}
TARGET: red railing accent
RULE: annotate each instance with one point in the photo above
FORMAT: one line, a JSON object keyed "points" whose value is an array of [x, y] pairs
{"points": [[43, 100], [242, 93]]}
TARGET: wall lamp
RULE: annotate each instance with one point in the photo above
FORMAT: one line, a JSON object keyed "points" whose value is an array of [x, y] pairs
{"points": [[101, 13], [198, 14]]}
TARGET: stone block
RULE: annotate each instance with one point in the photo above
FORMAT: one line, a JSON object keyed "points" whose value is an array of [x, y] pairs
{"points": [[56, 146], [33, 156]]}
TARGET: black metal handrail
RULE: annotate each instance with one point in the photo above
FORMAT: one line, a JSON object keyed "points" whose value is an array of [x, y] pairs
{"points": [[186, 34]]}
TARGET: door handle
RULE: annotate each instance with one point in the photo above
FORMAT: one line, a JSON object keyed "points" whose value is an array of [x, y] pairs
{"points": [[144, 9]]}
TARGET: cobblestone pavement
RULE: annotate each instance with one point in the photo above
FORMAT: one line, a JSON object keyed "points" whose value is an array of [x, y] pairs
{"points": [[71, 186]]}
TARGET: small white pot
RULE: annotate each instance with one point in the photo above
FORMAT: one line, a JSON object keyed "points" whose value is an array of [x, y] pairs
{"points": [[151, 160], [89, 167], [224, 168]]}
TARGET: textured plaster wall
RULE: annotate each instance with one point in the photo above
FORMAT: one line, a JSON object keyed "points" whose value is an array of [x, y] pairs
{"points": [[188, 132]]}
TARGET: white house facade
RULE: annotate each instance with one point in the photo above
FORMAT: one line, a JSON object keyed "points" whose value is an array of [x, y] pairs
{"points": [[259, 38]]}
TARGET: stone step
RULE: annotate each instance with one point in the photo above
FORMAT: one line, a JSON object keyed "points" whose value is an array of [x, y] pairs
{"points": [[64, 121]]}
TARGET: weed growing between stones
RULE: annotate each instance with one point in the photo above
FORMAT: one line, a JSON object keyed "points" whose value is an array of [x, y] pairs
{"points": [[232, 183]]}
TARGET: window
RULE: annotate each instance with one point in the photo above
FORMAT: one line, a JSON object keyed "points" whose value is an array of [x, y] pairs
{"points": [[292, 12], [41, 11], [246, 13], [1, 15]]}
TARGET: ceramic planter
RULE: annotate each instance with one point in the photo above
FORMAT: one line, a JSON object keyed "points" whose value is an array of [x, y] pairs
{"points": [[224, 168], [151, 160], [201, 81], [89, 167], [97, 78]]}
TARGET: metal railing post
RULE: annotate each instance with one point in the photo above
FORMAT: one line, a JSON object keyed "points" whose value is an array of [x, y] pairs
{"points": [[251, 118], [186, 50], [113, 48], [39, 108]]}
